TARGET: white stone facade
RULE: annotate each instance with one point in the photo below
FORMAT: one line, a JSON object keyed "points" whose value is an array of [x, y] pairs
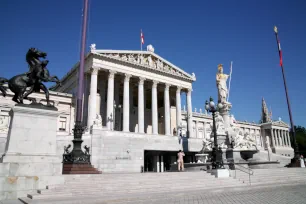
{"points": [[133, 107]]}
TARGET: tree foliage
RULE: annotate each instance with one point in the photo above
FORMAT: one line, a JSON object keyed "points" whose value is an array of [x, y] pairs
{"points": [[300, 133]]}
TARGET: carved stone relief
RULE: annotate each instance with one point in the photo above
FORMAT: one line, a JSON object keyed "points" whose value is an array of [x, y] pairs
{"points": [[148, 60]]}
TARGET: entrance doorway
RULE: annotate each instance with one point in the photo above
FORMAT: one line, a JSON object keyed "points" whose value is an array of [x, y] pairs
{"points": [[160, 161]]}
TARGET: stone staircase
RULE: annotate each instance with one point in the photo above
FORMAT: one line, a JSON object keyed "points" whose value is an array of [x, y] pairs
{"points": [[115, 186], [121, 187], [277, 176]]}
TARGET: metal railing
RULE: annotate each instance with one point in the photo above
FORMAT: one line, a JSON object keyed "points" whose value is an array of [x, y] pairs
{"points": [[246, 170]]}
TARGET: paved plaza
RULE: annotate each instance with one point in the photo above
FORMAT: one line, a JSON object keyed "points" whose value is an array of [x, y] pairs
{"points": [[293, 194], [252, 195]]}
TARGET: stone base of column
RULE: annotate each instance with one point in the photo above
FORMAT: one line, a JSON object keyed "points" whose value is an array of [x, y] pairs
{"points": [[80, 169], [220, 173]]}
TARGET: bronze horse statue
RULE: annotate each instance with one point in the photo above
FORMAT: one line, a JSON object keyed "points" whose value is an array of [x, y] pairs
{"points": [[33, 79], [2, 88]]}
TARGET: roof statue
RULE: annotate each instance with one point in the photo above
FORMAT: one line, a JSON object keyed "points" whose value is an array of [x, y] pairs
{"points": [[150, 48], [93, 47], [265, 118]]}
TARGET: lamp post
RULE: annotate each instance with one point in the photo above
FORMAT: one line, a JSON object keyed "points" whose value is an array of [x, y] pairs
{"points": [[77, 157], [217, 161]]}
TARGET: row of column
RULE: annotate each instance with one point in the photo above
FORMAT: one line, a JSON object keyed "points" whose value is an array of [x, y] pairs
{"points": [[126, 104], [280, 138]]}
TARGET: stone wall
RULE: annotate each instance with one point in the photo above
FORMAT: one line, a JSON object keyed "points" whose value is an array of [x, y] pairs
{"points": [[124, 152]]}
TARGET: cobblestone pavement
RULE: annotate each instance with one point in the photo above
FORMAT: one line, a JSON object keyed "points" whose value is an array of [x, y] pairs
{"points": [[294, 194]]}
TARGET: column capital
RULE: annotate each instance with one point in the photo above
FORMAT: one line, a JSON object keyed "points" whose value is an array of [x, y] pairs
{"points": [[127, 77], [141, 80], [94, 70], [111, 74], [179, 89], [154, 85], [167, 86]]}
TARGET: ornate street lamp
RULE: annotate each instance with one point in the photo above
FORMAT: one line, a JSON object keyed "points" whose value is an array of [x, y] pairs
{"points": [[76, 159], [217, 161]]}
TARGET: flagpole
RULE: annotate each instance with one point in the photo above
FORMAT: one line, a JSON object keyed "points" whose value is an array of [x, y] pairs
{"points": [[229, 85], [141, 39], [295, 146]]}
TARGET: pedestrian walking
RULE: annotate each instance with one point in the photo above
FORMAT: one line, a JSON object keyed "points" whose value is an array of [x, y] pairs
{"points": [[180, 161]]}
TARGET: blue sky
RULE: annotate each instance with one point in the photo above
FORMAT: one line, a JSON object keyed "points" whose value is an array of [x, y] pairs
{"points": [[194, 35]]}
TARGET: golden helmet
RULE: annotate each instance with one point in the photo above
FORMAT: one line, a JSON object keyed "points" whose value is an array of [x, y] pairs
{"points": [[220, 67]]}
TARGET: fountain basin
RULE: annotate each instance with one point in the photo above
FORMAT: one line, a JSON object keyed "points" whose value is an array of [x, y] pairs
{"points": [[202, 158]]}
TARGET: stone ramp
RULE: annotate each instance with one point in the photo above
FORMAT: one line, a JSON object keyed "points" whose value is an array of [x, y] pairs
{"points": [[121, 186]]}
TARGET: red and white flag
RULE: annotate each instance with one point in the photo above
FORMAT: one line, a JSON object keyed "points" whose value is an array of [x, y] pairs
{"points": [[141, 37], [279, 47]]}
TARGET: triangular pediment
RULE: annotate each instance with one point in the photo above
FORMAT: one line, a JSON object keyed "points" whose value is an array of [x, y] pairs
{"points": [[145, 59], [280, 123]]}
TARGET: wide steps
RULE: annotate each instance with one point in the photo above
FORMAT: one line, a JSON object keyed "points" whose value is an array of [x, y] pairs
{"points": [[141, 187], [129, 192]]}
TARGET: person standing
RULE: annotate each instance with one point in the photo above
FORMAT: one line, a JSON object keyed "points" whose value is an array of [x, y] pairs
{"points": [[302, 161], [180, 161]]}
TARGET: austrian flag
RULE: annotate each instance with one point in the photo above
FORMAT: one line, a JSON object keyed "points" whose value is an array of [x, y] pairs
{"points": [[279, 47], [141, 37], [280, 54]]}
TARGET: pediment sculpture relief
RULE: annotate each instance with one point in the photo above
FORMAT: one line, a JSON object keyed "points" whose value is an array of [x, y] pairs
{"points": [[147, 60]]}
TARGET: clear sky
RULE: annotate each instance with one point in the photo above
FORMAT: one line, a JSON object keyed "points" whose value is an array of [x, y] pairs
{"points": [[194, 35]]}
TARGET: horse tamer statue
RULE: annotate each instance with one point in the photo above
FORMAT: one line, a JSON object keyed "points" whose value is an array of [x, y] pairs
{"points": [[32, 81]]}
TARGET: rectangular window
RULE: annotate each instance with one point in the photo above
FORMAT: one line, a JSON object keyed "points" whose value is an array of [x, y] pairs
{"points": [[62, 123]]}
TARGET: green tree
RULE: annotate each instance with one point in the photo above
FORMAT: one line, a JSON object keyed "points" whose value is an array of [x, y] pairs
{"points": [[300, 133]]}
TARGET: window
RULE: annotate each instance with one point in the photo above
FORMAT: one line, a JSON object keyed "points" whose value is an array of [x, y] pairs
{"points": [[62, 123]]}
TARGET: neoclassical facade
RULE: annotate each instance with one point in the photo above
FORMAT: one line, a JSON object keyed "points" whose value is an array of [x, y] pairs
{"points": [[133, 110], [133, 91]]}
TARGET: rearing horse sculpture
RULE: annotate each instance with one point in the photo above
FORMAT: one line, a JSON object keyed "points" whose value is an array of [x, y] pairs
{"points": [[37, 74], [2, 88]]}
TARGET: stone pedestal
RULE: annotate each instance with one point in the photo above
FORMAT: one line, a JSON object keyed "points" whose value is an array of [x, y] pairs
{"points": [[220, 173], [30, 160], [224, 110]]}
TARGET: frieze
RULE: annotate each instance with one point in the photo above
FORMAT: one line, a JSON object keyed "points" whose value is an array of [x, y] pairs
{"points": [[148, 60]]}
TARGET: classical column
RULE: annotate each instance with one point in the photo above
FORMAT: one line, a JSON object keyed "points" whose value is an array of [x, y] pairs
{"points": [[283, 138], [103, 105], [92, 105], [197, 129], [276, 137], [140, 105], [126, 103], [189, 113], [154, 109], [167, 110], [110, 100], [131, 123], [280, 143], [204, 129], [289, 138], [273, 138], [178, 109]]}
